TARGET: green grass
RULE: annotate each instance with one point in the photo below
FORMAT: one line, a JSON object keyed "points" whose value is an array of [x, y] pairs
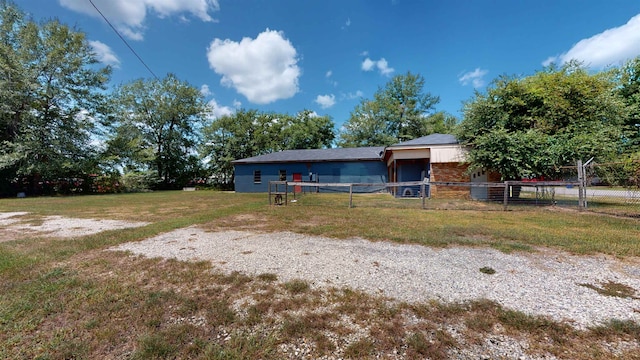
{"points": [[615, 289], [70, 299], [522, 230]]}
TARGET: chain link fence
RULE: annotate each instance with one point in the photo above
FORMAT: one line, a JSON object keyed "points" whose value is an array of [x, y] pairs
{"points": [[613, 187], [606, 188]]}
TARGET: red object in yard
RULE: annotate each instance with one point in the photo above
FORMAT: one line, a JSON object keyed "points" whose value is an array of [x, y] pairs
{"points": [[539, 178], [297, 177]]}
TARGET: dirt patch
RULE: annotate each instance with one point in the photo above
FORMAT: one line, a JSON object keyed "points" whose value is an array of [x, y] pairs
{"points": [[18, 225]]}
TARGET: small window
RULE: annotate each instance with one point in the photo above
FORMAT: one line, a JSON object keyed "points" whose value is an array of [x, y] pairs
{"points": [[282, 175], [257, 177]]}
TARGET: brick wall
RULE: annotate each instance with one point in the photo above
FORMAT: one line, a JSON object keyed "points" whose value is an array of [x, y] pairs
{"points": [[451, 172]]}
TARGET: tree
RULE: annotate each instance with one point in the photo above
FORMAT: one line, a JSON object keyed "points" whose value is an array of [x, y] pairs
{"points": [[439, 123], [155, 125], [306, 130], [249, 133], [366, 127], [530, 127], [629, 90], [50, 90], [398, 112]]}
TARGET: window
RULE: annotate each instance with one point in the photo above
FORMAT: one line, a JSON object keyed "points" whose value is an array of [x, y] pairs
{"points": [[282, 175], [257, 177]]}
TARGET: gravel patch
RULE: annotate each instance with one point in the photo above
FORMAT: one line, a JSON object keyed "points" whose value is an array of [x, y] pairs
{"points": [[58, 226], [544, 283], [8, 218]]}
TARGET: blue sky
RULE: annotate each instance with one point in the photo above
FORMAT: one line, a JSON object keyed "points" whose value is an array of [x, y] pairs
{"points": [[286, 56]]}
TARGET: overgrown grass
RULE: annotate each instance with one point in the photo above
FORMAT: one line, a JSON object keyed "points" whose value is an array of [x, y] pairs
{"points": [[64, 299], [523, 230]]}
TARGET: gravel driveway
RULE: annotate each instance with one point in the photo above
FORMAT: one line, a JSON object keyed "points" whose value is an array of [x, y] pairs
{"points": [[543, 283]]}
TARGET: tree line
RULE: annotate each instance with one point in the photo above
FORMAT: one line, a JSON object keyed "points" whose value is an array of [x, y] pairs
{"points": [[63, 130], [530, 127]]}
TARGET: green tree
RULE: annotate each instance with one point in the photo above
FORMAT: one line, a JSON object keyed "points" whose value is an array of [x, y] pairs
{"points": [[440, 123], [249, 133], [366, 127], [529, 127], [629, 90], [399, 111], [306, 130], [626, 171], [156, 126], [50, 91]]}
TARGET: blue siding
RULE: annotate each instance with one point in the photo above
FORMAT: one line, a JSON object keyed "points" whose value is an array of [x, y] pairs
{"points": [[324, 172], [411, 170]]}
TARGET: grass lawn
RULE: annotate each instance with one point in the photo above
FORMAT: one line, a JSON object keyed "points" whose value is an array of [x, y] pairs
{"points": [[63, 299]]}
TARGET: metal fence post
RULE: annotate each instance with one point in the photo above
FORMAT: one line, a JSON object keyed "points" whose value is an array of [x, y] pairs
{"points": [[581, 184], [423, 193], [506, 195]]}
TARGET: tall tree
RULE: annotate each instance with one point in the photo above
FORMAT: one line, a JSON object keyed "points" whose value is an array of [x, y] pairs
{"points": [[250, 133], [399, 111], [529, 127], [366, 127], [629, 90], [306, 130], [50, 90], [156, 126]]}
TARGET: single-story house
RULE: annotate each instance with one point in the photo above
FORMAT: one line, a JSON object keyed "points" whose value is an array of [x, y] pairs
{"points": [[348, 165], [437, 156]]}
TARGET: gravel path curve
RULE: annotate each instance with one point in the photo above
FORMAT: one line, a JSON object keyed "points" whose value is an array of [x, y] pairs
{"points": [[543, 283]]}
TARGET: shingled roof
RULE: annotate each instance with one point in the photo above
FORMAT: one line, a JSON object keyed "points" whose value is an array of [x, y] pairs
{"points": [[433, 139], [317, 155]]}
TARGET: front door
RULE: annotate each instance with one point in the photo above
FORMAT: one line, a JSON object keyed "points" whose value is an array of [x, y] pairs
{"points": [[297, 177]]}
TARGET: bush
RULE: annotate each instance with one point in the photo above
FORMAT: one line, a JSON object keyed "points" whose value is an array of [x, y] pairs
{"points": [[138, 181]]}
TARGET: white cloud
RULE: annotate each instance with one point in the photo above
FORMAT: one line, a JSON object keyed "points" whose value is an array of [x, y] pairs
{"points": [[475, 77], [610, 47], [264, 69], [382, 65], [368, 64], [384, 68], [104, 54], [357, 95], [205, 91], [129, 16], [328, 75], [218, 111], [326, 101]]}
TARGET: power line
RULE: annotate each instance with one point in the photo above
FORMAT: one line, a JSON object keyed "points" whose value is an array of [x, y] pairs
{"points": [[123, 39]]}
